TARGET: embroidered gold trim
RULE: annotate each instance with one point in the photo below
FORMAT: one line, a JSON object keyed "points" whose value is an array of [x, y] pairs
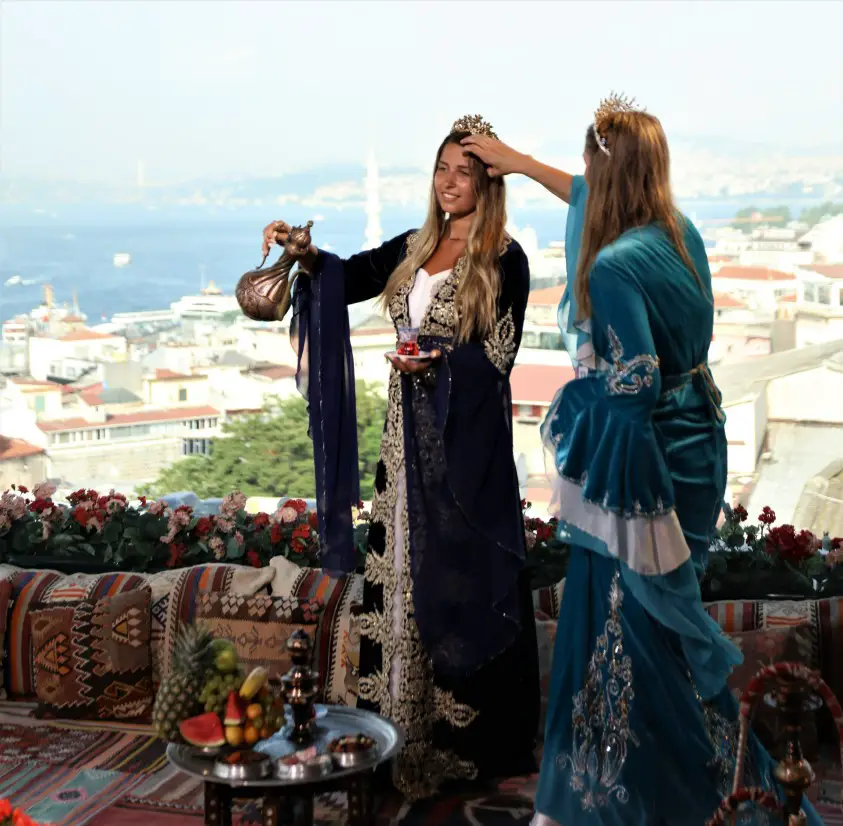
{"points": [[459, 715], [500, 345], [416, 703], [600, 716], [623, 380]]}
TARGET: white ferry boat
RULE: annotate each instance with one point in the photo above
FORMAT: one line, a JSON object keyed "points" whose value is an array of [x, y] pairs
{"points": [[122, 259]]}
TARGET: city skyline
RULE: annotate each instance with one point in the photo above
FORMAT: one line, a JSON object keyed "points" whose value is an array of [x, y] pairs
{"points": [[219, 90]]}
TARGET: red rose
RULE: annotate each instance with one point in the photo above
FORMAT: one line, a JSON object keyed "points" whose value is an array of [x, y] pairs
{"points": [[276, 534], [253, 559], [740, 513], [301, 532], [313, 520], [298, 505], [40, 505], [767, 516], [261, 521], [142, 500], [789, 546], [80, 515], [204, 526], [21, 489]]}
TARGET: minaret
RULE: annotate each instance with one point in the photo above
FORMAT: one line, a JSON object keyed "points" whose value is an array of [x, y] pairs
{"points": [[374, 232]]}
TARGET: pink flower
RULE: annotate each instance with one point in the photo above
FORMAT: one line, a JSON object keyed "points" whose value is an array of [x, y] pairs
{"points": [[233, 504], [178, 520], [44, 491], [286, 515], [224, 525], [158, 508], [217, 547]]}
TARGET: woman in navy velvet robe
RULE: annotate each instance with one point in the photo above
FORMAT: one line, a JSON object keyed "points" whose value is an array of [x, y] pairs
{"points": [[448, 645]]}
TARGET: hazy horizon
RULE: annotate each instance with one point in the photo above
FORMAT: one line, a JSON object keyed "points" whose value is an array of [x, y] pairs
{"points": [[218, 90]]}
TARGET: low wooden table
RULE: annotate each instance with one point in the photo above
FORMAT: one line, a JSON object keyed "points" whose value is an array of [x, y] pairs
{"points": [[288, 802]]}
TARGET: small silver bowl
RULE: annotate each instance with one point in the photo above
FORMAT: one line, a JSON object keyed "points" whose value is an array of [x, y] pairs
{"points": [[314, 769], [355, 759], [252, 766]]}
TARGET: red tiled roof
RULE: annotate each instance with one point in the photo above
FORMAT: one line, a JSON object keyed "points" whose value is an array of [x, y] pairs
{"points": [[276, 371], [72, 319], [538, 383], [86, 335], [753, 274], [17, 449], [92, 394], [724, 301], [828, 270], [140, 417], [547, 297], [171, 375], [25, 381]]}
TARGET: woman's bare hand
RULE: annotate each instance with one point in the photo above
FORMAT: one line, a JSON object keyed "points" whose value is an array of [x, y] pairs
{"points": [[499, 158], [275, 233], [411, 366]]}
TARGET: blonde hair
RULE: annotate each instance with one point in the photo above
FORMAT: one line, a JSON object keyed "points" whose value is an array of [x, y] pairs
{"points": [[479, 287], [628, 188]]}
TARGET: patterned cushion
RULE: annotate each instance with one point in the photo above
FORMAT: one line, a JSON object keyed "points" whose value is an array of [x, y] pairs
{"points": [[829, 617], [763, 647], [735, 616], [92, 658], [186, 592], [33, 590], [259, 626], [337, 641], [546, 601], [5, 599]]}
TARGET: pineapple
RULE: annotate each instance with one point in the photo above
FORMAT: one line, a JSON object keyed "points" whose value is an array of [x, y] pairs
{"points": [[178, 695]]}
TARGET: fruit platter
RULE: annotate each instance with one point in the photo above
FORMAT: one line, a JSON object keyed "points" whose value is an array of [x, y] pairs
{"points": [[207, 702]]}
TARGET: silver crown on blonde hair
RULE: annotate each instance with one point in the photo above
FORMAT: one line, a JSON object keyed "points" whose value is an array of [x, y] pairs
{"points": [[612, 105], [474, 125]]}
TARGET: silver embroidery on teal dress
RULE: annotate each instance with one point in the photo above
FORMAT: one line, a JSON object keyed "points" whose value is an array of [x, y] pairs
{"points": [[623, 378], [601, 732]]}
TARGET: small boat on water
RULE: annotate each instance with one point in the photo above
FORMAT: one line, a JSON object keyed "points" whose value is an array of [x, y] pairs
{"points": [[122, 259]]}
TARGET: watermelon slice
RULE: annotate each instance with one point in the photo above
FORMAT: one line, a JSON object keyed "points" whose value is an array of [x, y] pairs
{"points": [[204, 731], [235, 711]]}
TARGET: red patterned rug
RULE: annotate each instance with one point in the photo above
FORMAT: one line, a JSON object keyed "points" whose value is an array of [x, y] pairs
{"points": [[91, 775]]}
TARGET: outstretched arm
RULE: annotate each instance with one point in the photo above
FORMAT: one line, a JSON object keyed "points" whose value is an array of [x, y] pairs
{"points": [[504, 160]]}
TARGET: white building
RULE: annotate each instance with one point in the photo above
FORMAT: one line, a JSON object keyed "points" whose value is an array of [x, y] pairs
{"points": [[71, 355]]}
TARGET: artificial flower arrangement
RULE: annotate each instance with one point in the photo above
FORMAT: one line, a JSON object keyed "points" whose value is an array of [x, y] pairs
{"points": [[109, 531], [756, 560]]}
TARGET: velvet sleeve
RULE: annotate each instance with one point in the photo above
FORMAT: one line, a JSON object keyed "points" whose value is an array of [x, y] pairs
{"points": [[366, 273]]}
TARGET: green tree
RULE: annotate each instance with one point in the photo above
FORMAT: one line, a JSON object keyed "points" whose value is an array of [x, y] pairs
{"points": [[813, 215], [271, 454]]}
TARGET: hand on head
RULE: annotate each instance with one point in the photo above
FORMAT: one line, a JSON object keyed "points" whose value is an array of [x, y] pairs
{"points": [[499, 158]]}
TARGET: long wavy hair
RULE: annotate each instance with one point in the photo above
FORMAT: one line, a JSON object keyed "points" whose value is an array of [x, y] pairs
{"points": [[479, 288], [626, 189]]}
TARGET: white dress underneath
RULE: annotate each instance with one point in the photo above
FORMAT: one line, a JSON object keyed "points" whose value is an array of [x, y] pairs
{"points": [[424, 288]]}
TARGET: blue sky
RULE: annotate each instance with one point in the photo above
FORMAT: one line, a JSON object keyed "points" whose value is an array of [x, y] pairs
{"points": [[225, 89]]}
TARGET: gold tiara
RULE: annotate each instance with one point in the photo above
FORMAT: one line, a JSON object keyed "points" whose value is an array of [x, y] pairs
{"points": [[474, 125], [612, 105]]}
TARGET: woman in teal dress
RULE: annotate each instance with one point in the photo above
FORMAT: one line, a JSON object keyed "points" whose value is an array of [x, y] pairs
{"points": [[641, 727]]}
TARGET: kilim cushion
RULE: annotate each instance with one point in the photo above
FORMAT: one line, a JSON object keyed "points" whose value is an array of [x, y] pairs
{"points": [[92, 658], [34, 590], [5, 598], [259, 626]]}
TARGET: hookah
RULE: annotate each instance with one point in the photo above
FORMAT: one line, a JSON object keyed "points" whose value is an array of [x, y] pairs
{"points": [[797, 688]]}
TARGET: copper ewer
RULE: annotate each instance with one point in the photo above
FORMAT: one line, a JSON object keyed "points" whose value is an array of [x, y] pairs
{"points": [[265, 295]]}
